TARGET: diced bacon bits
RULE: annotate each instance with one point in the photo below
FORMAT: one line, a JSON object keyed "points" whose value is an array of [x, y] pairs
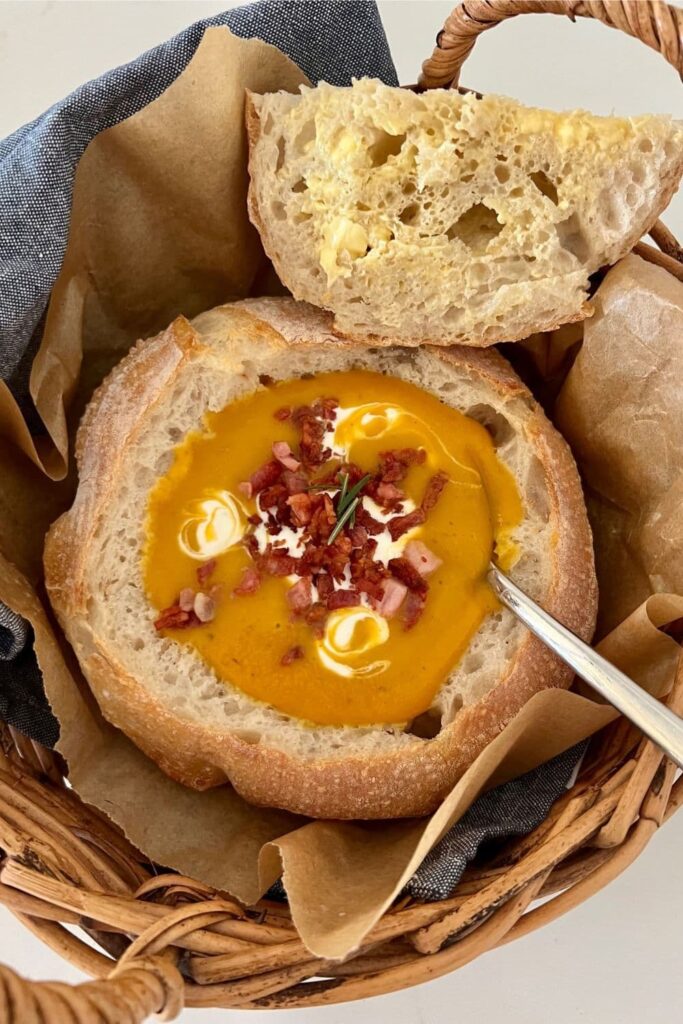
{"points": [[206, 571], [413, 608], [250, 582], [325, 586], [433, 491], [296, 483], [283, 454], [419, 555], [393, 595], [394, 465], [302, 508], [292, 655], [175, 617], [299, 489], [402, 570], [342, 599], [299, 597], [373, 526], [388, 495], [264, 476], [401, 524], [204, 607]]}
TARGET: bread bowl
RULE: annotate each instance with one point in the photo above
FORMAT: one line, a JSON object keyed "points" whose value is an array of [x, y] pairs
{"points": [[449, 219], [159, 412]]}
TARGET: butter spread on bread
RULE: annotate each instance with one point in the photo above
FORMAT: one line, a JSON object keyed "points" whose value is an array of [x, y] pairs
{"points": [[199, 726], [443, 218]]}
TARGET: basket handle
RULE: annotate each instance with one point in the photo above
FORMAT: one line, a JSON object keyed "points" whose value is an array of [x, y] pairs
{"points": [[132, 992], [658, 24]]}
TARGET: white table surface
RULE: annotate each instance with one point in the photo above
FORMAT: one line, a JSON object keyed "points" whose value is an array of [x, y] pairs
{"points": [[615, 959]]}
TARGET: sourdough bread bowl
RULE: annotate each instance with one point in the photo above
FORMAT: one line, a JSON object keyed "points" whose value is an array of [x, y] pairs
{"points": [[199, 726], [449, 219]]}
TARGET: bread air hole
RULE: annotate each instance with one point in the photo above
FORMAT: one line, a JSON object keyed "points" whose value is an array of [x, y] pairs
{"points": [[299, 186], [493, 421], [305, 137], [545, 185], [427, 725], [572, 238], [280, 154], [409, 213], [476, 228], [386, 145]]}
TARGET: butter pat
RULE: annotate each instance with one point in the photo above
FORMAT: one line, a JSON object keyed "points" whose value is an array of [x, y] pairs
{"points": [[341, 236]]}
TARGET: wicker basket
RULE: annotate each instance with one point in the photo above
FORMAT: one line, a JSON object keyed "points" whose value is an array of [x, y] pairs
{"points": [[168, 941]]}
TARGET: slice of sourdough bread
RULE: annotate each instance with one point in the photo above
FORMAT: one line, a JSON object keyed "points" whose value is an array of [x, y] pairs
{"points": [[446, 218], [201, 729]]}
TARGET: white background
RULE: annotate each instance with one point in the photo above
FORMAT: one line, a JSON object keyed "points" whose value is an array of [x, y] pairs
{"points": [[616, 959]]}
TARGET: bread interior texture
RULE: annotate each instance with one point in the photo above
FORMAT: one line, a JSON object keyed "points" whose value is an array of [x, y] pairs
{"points": [[446, 218]]}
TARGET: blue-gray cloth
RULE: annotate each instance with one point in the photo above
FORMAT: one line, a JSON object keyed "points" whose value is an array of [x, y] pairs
{"points": [[334, 41]]}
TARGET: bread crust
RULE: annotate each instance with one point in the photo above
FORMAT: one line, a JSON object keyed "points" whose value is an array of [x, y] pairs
{"points": [[409, 781]]}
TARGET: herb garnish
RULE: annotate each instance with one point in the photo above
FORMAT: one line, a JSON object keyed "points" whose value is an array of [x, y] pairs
{"points": [[347, 503]]}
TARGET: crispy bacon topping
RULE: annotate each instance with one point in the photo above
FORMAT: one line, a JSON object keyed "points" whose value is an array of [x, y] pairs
{"points": [[250, 582], [433, 491], [293, 654], [394, 465], [401, 524], [393, 595], [342, 599], [334, 557], [299, 596], [205, 571], [175, 617], [264, 476], [296, 483], [388, 495], [325, 586], [283, 454], [401, 569], [419, 555], [302, 508], [413, 608]]}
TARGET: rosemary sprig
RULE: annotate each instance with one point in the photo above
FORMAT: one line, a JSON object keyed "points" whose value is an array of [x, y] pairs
{"points": [[342, 494], [346, 497], [343, 518], [348, 502]]}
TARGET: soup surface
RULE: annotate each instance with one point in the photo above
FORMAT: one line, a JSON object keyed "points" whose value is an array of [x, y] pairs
{"points": [[323, 544]]}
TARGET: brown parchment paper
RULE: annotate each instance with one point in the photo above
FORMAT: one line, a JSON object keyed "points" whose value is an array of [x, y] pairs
{"points": [[621, 409], [159, 227]]}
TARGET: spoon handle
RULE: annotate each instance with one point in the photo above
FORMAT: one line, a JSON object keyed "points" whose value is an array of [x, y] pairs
{"points": [[654, 719]]}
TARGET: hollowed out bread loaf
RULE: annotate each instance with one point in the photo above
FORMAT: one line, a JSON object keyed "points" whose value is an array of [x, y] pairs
{"points": [[448, 219], [202, 730]]}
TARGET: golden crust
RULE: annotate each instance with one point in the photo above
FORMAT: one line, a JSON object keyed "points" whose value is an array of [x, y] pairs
{"points": [[406, 782]]}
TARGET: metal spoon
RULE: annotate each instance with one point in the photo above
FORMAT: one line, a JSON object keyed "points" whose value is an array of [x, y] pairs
{"points": [[655, 720]]}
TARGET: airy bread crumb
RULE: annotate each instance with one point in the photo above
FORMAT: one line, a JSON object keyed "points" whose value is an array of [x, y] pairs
{"points": [[446, 218]]}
